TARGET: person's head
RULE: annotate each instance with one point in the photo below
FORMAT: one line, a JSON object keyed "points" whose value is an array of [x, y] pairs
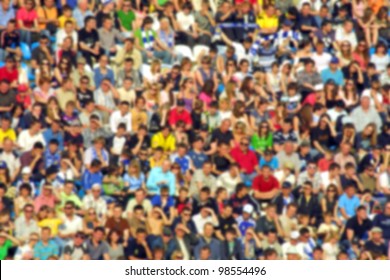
{"points": [[107, 23], [208, 230], [343, 255], [67, 11], [204, 195], [79, 238], [29, 5], [84, 82], [98, 234], [271, 211], [140, 235], [346, 148], [69, 208], [348, 26], [37, 148], [45, 234], [207, 167], [350, 169], [69, 27], [292, 209], [205, 253], [90, 22], [381, 48], [28, 210], [307, 188], [318, 253], [244, 144], [4, 86], [166, 165], [311, 168], [361, 212], [147, 23]]}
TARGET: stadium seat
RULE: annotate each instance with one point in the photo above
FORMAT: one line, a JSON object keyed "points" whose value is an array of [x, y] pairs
{"points": [[25, 51], [198, 49], [185, 51]]}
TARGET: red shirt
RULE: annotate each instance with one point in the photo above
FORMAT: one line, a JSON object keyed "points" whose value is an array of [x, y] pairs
{"points": [[262, 185], [27, 17], [9, 76], [323, 164], [246, 161], [175, 116]]}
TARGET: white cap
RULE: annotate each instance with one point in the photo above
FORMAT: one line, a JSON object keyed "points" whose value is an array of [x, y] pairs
{"points": [[248, 208], [96, 186], [294, 235], [319, 87], [26, 170]]}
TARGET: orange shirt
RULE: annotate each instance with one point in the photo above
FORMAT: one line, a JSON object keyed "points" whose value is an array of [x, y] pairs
{"points": [[375, 5], [46, 13]]}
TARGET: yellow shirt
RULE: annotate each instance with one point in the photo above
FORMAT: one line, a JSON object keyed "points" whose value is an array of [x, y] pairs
{"points": [[62, 19], [52, 223], [10, 133], [46, 13], [168, 144], [156, 163], [267, 22]]}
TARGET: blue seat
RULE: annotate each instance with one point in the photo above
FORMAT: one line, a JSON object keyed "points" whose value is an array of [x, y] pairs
{"points": [[2, 64], [25, 51], [34, 45]]}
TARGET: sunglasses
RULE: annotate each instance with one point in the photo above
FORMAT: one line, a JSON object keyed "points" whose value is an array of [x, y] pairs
{"points": [[244, 144], [331, 190], [68, 208]]}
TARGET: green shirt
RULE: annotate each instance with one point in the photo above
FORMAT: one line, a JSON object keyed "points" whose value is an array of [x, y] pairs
{"points": [[138, 35], [126, 19], [110, 188], [262, 143], [4, 249], [72, 197]]}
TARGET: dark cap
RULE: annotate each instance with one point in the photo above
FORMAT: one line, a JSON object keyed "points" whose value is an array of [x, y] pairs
{"points": [[167, 231], [286, 185], [180, 102], [51, 170], [268, 152]]}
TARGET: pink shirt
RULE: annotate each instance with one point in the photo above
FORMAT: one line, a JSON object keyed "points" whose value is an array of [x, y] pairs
{"points": [[28, 17], [205, 98], [44, 200]]}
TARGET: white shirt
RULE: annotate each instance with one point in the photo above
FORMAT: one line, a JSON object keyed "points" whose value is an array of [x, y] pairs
{"points": [[183, 249], [384, 180], [321, 60], [326, 181], [26, 141], [200, 222], [380, 62], [117, 145], [333, 114], [379, 97], [117, 118], [61, 35], [12, 161], [71, 226], [99, 205], [341, 36], [228, 182], [185, 21]]}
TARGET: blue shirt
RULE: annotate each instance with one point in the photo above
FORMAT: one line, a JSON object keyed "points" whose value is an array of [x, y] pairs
{"points": [[134, 182], [336, 76], [197, 158], [80, 17], [6, 16], [89, 178], [273, 163], [349, 204], [49, 135], [184, 162], [215, 248], [157, 175], [43, 252], [243, 225], [98, 76], [52, 159], [156, 201]]}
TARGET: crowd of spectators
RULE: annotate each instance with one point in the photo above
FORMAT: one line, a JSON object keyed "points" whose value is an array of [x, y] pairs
{"points": [[190, 129]]}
